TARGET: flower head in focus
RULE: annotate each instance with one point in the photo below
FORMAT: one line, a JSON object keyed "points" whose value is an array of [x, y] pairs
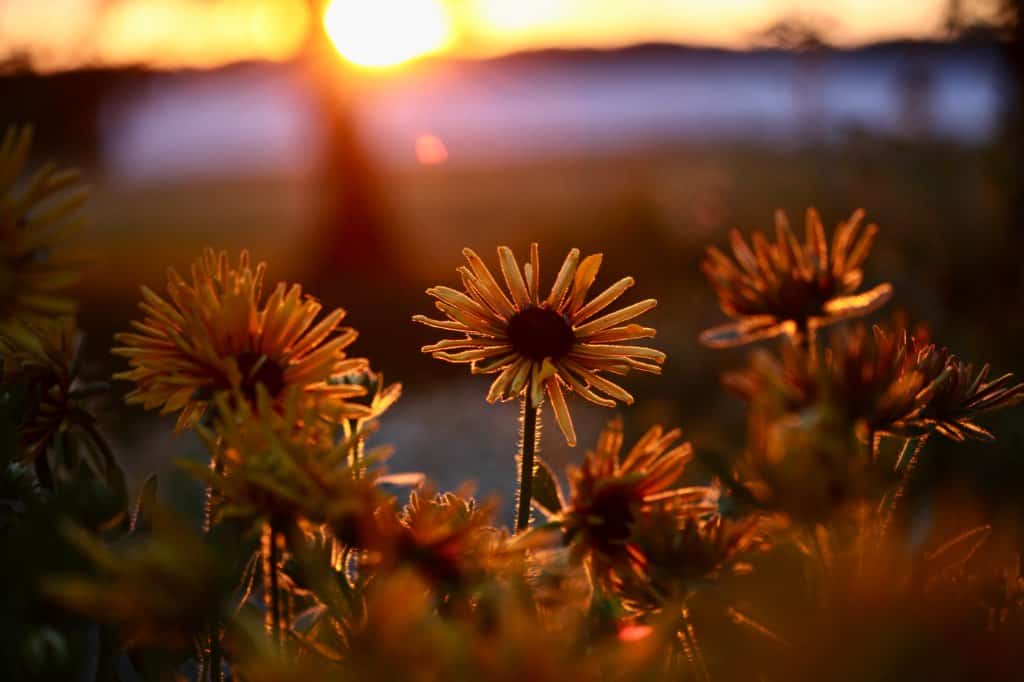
{"points": [[788, 287], [539, 344]]}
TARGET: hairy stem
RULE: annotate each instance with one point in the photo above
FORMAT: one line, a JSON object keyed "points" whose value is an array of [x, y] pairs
{"points": [[211, 496], [348, 559], [687, 635], [271, 555], [358, 448], [211, 652], [908, 472], [211, 649], [530, 418]]}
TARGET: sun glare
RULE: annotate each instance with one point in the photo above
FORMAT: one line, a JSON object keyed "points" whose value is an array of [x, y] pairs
{"points": [[386, 33], [430, 150]]}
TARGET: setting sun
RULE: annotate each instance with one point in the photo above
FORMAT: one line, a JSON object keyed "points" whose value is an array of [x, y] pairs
{"points": [[387, 32]]}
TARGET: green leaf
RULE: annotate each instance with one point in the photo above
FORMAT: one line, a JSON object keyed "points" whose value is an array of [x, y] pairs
{"points": [[547, 494]]}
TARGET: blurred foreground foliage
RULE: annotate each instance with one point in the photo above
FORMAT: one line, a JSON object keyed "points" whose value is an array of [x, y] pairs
{"points": [[814, 552]]}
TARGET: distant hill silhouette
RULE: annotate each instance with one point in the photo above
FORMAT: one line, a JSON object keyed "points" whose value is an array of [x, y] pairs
{"points": [[66, 106]]}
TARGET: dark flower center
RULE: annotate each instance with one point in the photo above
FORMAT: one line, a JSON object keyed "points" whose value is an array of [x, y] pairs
{"points": [[798, 299], [540, 333], [614, 507], [259, 369]]}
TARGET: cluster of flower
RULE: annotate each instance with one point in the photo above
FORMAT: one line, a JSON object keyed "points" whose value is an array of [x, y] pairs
{"points": [[645, 568]]}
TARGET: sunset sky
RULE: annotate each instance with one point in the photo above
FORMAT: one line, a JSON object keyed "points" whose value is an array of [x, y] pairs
{"points": [[59, 34]]}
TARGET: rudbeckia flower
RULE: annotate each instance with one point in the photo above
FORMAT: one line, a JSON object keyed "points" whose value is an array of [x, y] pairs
{"points": [[539, 344]]}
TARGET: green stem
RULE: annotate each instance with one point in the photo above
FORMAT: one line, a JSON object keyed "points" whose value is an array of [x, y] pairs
{"points": [[530, 418]]}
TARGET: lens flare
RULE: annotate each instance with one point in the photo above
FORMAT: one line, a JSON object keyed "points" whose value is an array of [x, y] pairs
{"points": [[430, 150], [386, 33]]}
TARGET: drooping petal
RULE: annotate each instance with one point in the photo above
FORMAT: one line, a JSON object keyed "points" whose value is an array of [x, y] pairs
{"points": [[856, 305], [742, 332], [500, 385], [561, 410]]}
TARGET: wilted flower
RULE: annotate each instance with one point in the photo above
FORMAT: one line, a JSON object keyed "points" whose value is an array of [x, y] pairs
{"points": [[41, 362], [811, 421], [446, 539], [36, 220], [539, 344], [788, 287], [609, 493], [287, 465], [950, 403], [902, 385], [217, 333], [559, 585], [287, 472], [886, 382], [872, 378], [810, 464], [676, 552], [379, 396]]}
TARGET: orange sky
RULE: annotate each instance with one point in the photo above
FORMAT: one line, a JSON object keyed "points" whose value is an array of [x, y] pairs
{"points": [[67, 33]]}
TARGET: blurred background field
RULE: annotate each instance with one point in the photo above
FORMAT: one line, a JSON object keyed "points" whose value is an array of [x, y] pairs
{"points": [[365, 183]]}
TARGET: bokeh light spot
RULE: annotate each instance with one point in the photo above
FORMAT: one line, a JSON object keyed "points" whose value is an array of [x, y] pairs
{"points": [[430, 150]]}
